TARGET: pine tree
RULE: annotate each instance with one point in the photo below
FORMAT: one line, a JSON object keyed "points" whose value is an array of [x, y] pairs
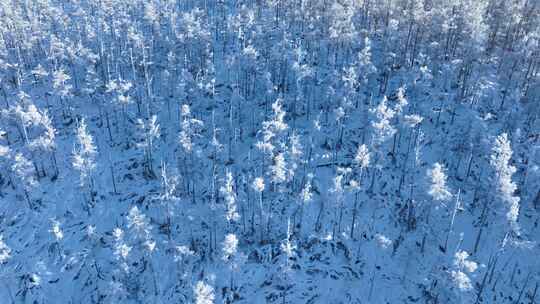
{"points": [[401, 100], [287, 246], [139, 224], [189, 129], [84, 157], [438, 189], [24, 171], [57, 230], [278, 169], [120, 89], [204, 293], [500, 160], [342, 26], [27, 115], [63, 90], [229, 194], [150, 132], [294, 155], [231, 256], [462, 266], [141, 237], [272, 130], [258, 185], [121, 249], [230, 246], [5, 251], [383, 242], [365, 65], [168, 196], [5, 154], [382, 126], [306, 196], [362, 158], [338, 191], [46, 140]]}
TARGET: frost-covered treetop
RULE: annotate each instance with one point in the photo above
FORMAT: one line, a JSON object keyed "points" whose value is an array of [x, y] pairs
{"points": [[273, 127], [227, 191], [85, 153], [438, 189], [258, 184], [138, 222], [501, 161], [204, 293], [230, 245], [362, 157], [306, 195], [462, 268], [57, 230], [413, 120], [383, 241], [382, 124], [85, 140], [24, 169], [5, 251]]}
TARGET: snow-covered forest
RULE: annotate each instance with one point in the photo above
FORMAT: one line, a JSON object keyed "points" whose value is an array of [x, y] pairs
{"points": [[269, 151]]}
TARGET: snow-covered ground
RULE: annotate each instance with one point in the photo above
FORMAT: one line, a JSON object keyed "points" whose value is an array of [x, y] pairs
{"points": [[303, 151]]}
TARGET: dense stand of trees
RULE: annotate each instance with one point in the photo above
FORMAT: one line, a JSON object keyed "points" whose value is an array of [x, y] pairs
{"points": [[166, 151]]}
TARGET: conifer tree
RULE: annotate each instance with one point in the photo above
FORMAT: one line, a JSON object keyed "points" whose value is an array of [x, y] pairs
{"points": [[500, 160], [5, 251], [229, 195], [231, 255], [204, 293], [150, 132], [259, 186], [62, 90], [168, 195], [382, 127], [459, 273], [190, 130], [306, 196], [24, 171], [438, 189], [84, 158]]}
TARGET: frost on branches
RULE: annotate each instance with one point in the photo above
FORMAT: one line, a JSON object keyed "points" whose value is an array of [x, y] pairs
{"points": [[500, 160], [438, 189], [84, 154], [269, 151], [383, 129], [461, 270], [204, 293], [5, 251], [229, 194]]}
